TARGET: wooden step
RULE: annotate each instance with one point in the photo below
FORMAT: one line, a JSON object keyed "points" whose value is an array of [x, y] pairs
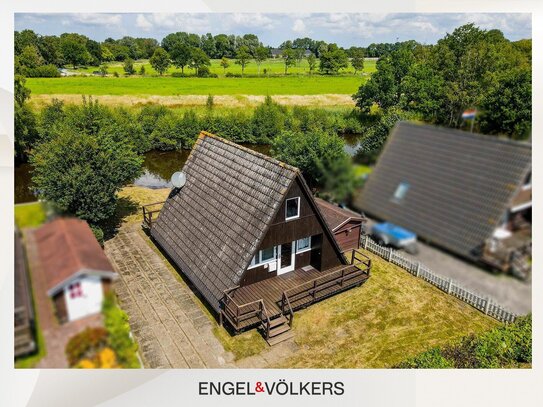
{"points": [[280, 338], [278, 330], [278, 321]]}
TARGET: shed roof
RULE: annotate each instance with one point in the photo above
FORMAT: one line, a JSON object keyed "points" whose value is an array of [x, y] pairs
{"points": [[66, 247], [335, 216], [457, 185], [212, 227]]}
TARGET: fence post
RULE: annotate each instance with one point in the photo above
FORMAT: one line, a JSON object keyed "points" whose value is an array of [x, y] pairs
{"points": [[487, 304], [418, 269], [449, 286], [389, 253], [365, 242]]}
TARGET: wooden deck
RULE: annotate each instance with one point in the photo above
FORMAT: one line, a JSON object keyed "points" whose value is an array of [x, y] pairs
{"points": [[253, 304]]}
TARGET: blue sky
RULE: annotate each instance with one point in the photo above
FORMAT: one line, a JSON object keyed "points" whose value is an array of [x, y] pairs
{"points": [[346, 29]]}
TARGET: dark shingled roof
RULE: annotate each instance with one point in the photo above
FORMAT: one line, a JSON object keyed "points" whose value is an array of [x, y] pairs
{"points": [[460, 184], [212, 226], [67, 246], [336, 216]]}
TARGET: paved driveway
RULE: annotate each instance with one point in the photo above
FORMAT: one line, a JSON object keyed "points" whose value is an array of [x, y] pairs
{"points": [[171, 329]]}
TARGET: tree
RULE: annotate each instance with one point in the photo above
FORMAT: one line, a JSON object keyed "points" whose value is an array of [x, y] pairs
{"points": [[268, 120], [261, 54], [25, 120], [320, 156], [289, 58], [128, 66], [30, 57], [242, 57], [74, 50], [107, 55], [198, 60], [225, 63], [333, 59], [357, 59], [160, 61], [103, 69], [142, 70], [82, 173], [312, 62], [181, 55]]}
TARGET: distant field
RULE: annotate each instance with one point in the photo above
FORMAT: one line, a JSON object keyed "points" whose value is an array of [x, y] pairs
{"points": [[169, 86], [272, 67]]}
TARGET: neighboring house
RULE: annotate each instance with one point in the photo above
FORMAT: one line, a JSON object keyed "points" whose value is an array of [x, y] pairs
{"points": [[247, 232], [23, 309], [76, 270], [345, 224], [468, 193]]}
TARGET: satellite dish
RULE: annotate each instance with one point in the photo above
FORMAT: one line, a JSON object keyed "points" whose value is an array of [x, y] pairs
{"points": [[178, 179]]}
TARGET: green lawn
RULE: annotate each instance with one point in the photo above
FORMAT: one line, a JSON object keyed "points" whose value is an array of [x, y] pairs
{"points": [[361, 170], [170, 86], [29, 215], [272, 67]]}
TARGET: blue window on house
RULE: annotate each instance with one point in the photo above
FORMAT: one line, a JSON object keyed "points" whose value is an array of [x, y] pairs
{"points": [[400, 192]]}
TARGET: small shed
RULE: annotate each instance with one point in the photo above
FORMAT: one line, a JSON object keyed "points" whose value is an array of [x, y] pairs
{"points": [[346, 225], [76, 270]]}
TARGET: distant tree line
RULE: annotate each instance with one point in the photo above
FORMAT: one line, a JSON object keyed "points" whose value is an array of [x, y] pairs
{"points": [[40, 55], [470, 68]]}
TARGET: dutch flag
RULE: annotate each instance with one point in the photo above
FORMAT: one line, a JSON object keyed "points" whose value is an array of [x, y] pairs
{"points": [[469, 114]]}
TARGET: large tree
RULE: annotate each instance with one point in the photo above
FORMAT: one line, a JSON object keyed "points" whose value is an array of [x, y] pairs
{"points": [[333, 59], [357, 59], [261, 54], [81, 173], [289, 58], [181, 54], [198, 60], [74, 50]]}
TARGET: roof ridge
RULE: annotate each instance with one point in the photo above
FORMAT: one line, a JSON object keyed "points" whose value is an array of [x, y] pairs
{"points": [[272, 160]]}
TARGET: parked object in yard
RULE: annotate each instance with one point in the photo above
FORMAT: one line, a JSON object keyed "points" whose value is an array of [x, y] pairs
{"points": [[346, 225], [470, 194], [247, 232], [388, 234], [74, 267]]}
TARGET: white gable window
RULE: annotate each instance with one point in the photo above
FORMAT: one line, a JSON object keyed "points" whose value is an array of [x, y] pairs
{"points": [[400, 192], [303, 245], [292, 208]]}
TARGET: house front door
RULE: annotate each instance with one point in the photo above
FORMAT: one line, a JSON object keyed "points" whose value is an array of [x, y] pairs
{"points": [[286, 258]]}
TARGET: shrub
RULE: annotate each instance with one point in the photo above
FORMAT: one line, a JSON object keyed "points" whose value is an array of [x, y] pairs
{"points": [[43, 71], [98, 234], [232, 75], [203, 72], [236, 126], [85, 344], [118, 330], [433, 359], [268, 120]]}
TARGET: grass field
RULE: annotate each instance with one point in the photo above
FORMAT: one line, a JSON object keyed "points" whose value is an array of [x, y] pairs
{"points": [[272, 67], [168, 86], [29, 215]]}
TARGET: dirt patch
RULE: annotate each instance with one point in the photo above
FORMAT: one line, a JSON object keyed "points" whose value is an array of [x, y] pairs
{"points": [[181, 101]]}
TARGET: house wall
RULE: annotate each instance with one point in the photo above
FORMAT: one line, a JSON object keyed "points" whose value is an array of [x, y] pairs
{"points": [[90, 302], [322, 255], [348, 236]]}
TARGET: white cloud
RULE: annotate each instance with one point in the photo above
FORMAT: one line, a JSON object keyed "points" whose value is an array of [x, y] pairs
{"points": [[299, 26], [143, 23], [246, 20], [95, 19]]}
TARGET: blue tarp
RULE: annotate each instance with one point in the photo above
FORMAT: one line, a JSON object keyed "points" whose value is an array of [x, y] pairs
{"points": [[393, 230]]}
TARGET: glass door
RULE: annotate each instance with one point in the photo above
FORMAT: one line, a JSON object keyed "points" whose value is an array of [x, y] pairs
{"points": [[286, 258]]}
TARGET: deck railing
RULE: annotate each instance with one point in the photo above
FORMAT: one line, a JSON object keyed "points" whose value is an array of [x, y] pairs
{"points": [[149, 212], [236, 313]]}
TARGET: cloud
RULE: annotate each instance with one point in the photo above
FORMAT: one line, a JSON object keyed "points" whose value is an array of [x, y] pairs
{"points": [[299, 26], [93, 19], [143, 23], [248, 20]]}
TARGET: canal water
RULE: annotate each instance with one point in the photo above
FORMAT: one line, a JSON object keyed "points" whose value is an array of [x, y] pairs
{"points": [[158, 167]]}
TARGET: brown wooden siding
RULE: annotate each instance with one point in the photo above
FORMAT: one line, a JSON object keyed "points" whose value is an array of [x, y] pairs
{"points": [[348, 236], [322, 255], [60, 307]]}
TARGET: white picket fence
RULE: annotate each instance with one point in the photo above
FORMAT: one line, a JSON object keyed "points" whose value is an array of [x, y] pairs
{"points": [[482, 303]]}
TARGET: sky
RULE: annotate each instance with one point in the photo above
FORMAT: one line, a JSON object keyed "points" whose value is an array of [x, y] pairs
{"points": [[345, 29]]}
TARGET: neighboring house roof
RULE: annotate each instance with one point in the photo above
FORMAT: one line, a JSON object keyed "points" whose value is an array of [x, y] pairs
{"points": [[456, 186], [212, 227], [67, 248], [335, 216]]}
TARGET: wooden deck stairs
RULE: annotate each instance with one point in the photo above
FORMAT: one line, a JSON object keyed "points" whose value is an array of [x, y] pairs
{"points": [[278, 331]]}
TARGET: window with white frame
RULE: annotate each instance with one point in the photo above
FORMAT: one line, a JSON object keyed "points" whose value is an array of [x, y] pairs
{"points": [[400, 192], [264, 256], [303, 245], [292, 208]]}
